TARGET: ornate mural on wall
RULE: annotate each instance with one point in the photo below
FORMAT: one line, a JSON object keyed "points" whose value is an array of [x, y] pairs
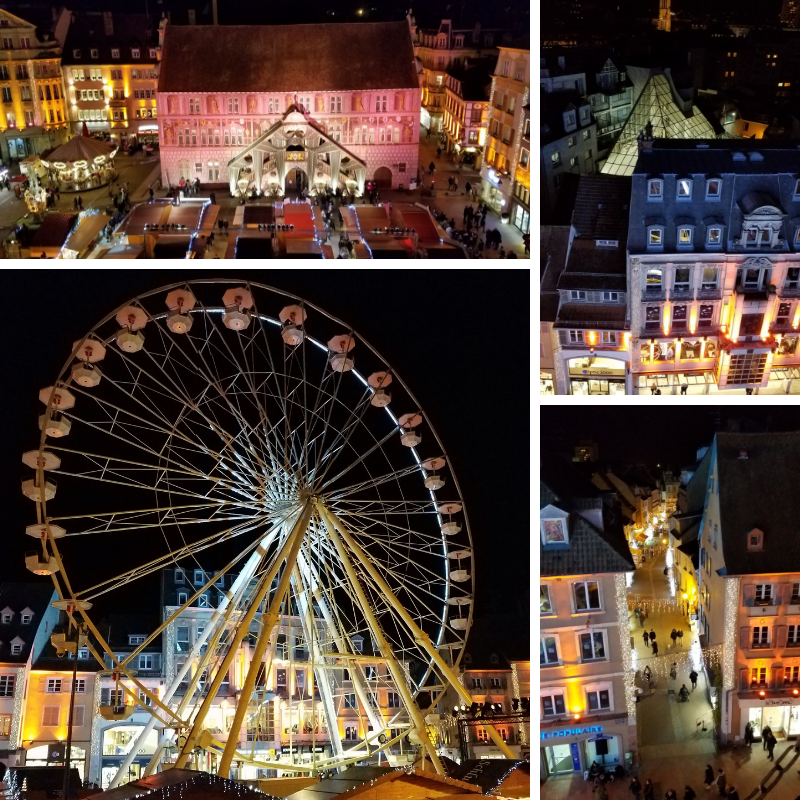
{"points": [[213, 104], [172, 104], [252, 104]]}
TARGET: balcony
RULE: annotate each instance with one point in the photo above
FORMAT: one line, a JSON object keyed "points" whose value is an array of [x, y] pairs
{"points": [[709, 294], [763, 611], [789, 291], [654, 295], [682, 294]]}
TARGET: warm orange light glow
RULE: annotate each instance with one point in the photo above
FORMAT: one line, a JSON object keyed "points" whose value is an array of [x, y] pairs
{"points": [[795, 691], [762, 694], [796, 320], [577, 716], [626, 339], [591, 337], [693, 320]]}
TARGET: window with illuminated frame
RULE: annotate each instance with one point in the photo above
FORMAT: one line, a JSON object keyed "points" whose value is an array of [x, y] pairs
{"points": [[554, 527]]}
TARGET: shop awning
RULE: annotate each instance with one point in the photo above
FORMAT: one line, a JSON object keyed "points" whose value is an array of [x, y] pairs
{"points": [[19, 179], [86, 231], [124, 251]]}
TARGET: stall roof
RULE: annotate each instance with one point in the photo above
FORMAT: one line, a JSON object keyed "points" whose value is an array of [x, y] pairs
{"points": [[371, 217], [299, 215], [254, 246], [87, 229], [258, 215], [172, 246], [421, 220], [54, 230], [186, 214], [124, 251], [209, 219], [303, 248], [141, 215]]}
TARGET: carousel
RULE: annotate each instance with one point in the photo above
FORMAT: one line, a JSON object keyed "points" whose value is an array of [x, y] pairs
{"points": [[81, 164]]}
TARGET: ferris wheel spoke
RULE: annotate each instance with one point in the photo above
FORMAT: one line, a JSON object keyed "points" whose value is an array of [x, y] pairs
{"points": [[339, 494], [371, 509], [374, 448], [169, 558]]}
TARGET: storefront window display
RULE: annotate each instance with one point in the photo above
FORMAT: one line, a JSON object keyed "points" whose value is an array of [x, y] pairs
{"points": [[42, 756], [691, 350], [783, 720], [594, 375], [787, 346], [546, 383]]}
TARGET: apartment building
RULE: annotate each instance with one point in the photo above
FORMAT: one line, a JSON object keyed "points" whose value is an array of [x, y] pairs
{"points": [[448, 48], [26, 621], [509, 95], [110, 65], [750, 581], [33, 115], [591, 322], [553, 246], [586, 712], [714, 267], [466, 109]]}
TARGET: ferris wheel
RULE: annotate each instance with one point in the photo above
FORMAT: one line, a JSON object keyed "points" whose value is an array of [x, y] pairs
{"points": [[227, 423]]}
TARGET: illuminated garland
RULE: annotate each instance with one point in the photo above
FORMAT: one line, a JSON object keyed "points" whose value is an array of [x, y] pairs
{"points": [[620, 585], [97, 733], [15, 734], [523, 736], [662, 604], [205, 779], [693, 657], [731, 614]]}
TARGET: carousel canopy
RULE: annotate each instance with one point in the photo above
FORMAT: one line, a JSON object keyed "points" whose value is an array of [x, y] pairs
{"points": [[81, 148]]}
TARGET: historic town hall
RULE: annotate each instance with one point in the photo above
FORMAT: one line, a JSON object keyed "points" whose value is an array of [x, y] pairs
{"points": [[292, 107]]}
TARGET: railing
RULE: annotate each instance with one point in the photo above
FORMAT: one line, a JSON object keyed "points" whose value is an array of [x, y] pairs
{"points": [[709, 294], [682, 294], [653, 296], [789, 291]]}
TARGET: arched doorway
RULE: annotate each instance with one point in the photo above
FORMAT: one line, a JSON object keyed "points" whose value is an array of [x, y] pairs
{"points": [[383, 178], [296, 180]]}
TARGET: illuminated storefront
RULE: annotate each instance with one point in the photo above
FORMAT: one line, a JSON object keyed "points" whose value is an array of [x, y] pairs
{"points": [[596, 375], [116, 745], [52, 755], [781, 715], [565, 751]]}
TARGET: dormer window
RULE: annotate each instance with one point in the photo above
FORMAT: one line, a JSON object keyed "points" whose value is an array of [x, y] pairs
{"points": [[569, 118], [655, 238], [76, 53], [655, 189], [713, 189], [94, 53], [714, 237], [114, 52], [16, 648], [153, 53], [796, 190], [684, 237], [684, 189], [755, 539], [553, 525], [6, 617], [135, 52]]}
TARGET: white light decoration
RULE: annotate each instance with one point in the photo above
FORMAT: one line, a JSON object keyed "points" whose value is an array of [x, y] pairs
{"points": [[628, 579], [729, 645], [623, 627], [523, 737], [97, 733], [15, 733]]}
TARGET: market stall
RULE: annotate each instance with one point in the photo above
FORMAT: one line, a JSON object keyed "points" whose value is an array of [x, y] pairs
{"points": [[81, 164]]}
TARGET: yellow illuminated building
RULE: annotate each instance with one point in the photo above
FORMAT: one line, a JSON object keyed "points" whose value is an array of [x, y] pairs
{"points": [[32, 110], [111, 74], [466, 109]]}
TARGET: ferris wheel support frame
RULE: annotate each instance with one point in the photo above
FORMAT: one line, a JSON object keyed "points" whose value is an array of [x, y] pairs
{"points": [[383, 645], [241, 631], [267, 624], [419, 635]]}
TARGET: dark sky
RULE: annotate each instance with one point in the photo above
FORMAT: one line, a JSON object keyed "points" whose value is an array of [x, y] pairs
{"points": [[458, 338], [668, 434]]}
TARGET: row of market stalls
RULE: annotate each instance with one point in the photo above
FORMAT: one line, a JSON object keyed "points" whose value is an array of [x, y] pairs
{"points": [[68, 235]]}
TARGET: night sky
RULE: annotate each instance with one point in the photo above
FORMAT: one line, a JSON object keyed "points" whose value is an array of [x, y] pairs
{"points": [[460, 340], [668, 435]]}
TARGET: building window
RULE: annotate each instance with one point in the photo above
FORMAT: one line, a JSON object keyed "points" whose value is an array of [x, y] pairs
{"points": [[713, 189], [758, 676], [577, 295], [179, 575], [654, 237], [598, 699], [199, 578], [684, 237], [53, 685], [653, 284], [792, 277], [683, 276], [655, 189], [94, 53], [80, 685], [350, 701], [586, 595], [714, 236], [145, 661], [760, 637], [553, 704], [135, 53], [576, 337], [792, 675], [796, 190], [50, 715], [609, 337], [5, 726], [610, 297], [555, 159], [684, 189], [233, 105], [592, 646], [709, 278], [136, 640], [7, 617], [182, 598], [153, 53], [573, 162], [114, 52], [793, 639], [784, 311], [477, 683], [7, 685], [587, 134], [548, 650], [763, 595]]}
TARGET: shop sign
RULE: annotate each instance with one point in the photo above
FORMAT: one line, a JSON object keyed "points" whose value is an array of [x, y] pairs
{"points": [[620, 373], [781, 702], [319, 748], [570, 732], [286, 749]]}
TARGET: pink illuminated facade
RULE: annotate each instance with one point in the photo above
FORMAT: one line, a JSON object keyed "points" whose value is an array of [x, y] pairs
{"points": [[368, 112]]}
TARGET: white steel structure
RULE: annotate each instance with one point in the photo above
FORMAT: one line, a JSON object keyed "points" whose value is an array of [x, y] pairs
{"points": [[230, 417]]}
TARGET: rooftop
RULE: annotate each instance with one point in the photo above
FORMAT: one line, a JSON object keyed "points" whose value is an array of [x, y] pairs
{"points": [[107, 31], [18, 597]]}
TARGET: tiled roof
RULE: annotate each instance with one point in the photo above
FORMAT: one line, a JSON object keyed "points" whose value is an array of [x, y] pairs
{"points": [[582, 280], [53, 232], [609, 316], [586, 257], [553, 241], [87, 31], [695, 493], [268, 58], [602, 207], [591, 551], [759, 492], [19, 596]]}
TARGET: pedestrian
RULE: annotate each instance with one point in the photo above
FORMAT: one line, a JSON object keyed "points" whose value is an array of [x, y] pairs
{"points": [[428, 134], [75, 204], [674, 637], [636, 788], [646, 637], [438, 152], [643, 613], [80, 202], [151, 194], [693, 679], [671, 795], [648, 790], [771, 742], [709, 777], [432, 167], [748, 735], [721, 782], [680, 636], [213, 198], [733, 794], [688, 793], [468, 188], [655, 647], [652, 633], [765, 733]]}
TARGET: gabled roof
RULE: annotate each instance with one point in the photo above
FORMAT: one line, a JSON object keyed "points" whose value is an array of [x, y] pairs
{"points": [[694, 495], [759, 491], [592, 549], [553, 244], [107, 31], [267, 58], [17, 597]]}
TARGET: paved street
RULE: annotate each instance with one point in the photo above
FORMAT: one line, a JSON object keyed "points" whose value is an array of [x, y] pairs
{"points": [[673, 748]]}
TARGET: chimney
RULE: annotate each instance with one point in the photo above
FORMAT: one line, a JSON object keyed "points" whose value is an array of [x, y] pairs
{"points": [[108, 23]]}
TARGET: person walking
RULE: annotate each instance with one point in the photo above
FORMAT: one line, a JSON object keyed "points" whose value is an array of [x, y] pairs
{"points": [[733, 794], [151, 194], [648, 790], [652, 635], [693, 679], [646, 637], [636, 788], [748, 735], [680, 636], [689, 793], [671, 795], [771, 742], [643, 613], [709, 776], [432, 167], [654, 646], [765, 734], [674, 637], [721, 782]]}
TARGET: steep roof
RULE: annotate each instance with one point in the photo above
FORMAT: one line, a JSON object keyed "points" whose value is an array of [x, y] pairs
{"points": [[267, 58], [759, 492], [592, 550], [107, 31], [695, 493], [553, 244], [17, 597]]}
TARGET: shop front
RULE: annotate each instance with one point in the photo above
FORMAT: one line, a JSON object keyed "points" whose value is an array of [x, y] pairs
{"points": [[596, 375], [116, 745], [782, 715], [546, 382], [567, 751], [695, 382], [53, 755]]}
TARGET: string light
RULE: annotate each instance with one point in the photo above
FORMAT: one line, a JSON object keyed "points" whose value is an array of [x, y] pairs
{"points": [[620, 585], [19, 694], [731, 614]]}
